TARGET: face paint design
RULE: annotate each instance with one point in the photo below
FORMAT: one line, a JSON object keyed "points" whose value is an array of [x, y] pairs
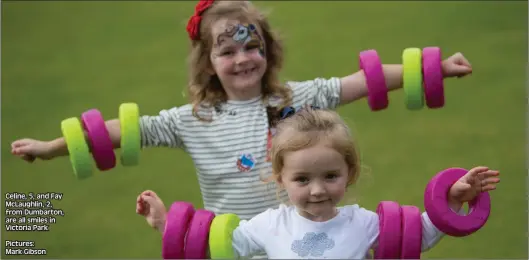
{"points": [[245, 34]]}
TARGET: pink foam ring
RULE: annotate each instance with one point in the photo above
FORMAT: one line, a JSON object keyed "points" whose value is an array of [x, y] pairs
{"points": [[197, 237], [99, 138], [411, 233], [176, 226], [376, 83], [390, 230], [433, 77], [443, 217]]}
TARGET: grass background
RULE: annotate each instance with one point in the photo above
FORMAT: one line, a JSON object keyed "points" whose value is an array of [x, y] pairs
{"points": [[62, 58]]}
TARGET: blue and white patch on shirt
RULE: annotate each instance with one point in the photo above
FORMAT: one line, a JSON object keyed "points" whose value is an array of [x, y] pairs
{"points": [[312, 245], [245, 162]]}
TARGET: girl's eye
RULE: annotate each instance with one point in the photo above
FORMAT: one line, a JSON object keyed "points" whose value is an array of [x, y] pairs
{"points": [[224, 53], [331, 176], [301, 179]]}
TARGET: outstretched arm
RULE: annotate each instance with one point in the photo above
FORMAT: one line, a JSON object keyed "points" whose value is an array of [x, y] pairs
{"points": [[354, 86], [160, 130], [30, 149]]}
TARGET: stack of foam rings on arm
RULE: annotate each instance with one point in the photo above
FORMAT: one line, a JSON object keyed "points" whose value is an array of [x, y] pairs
{"points": [[422, 78], [197, 234], [400, 227], [98, 142]]}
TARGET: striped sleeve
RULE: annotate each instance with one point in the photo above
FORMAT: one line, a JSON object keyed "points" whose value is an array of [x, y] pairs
{"points": [[323, 93], [163, 129]]}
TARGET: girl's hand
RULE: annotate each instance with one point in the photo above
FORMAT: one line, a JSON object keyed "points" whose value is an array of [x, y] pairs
{"points": [[30, 149], [149, 205], [456, 66], [477, 180]]}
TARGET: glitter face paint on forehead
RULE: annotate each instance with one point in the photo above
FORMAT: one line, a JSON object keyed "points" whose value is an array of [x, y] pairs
{"points": [[245, 34]]}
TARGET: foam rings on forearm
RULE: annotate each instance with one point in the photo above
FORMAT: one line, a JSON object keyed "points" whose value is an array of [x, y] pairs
{"points": [[129, 118], [99, 138], [390, 230], [220, 236], [176, 226], [197, 237], [411, 232], [412, 78], [377, 90], [433, 77], [78, 150], [443, 217]]}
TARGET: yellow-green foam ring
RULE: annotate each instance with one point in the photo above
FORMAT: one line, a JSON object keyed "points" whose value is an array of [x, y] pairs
{"points": [[129, 119], [220, 236], [412, 78], [78, 150]]}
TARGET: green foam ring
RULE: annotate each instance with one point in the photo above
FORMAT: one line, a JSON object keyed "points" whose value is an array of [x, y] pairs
{"points": [[220, 236], [129, 119], [78, 150], [412, 78]]}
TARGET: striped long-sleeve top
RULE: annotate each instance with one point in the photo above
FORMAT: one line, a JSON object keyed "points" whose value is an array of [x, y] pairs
{"points": [[229, 153]]}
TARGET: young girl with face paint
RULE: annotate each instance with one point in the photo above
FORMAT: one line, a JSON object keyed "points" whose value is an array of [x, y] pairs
{"points": [[314, 159], [235, 97]]}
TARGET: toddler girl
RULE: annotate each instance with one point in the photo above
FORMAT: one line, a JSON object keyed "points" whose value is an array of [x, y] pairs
{"points": [[315, 159]]}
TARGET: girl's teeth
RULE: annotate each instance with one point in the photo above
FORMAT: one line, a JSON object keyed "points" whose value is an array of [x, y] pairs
{"points": [[245, 72]]}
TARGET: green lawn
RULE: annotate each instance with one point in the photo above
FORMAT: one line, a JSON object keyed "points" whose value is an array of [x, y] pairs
{"points": [[62, 58]]}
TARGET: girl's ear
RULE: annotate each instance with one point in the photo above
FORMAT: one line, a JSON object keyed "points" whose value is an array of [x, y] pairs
{"points": [[279, 181]]}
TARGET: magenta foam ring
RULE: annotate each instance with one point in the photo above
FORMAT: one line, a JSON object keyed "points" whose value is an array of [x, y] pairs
{"points": [[176, 226], [443, 217], [432, 70], [99, 138], [411, 233], [197, 237], [377, 90], [390, 230]]}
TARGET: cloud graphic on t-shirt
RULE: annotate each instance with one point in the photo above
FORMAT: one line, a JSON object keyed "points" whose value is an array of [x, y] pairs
{"points": [[312, 244]]}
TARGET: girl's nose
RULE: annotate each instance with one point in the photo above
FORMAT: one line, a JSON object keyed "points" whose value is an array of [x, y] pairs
{"points": [[241, 57], [317, 190]]}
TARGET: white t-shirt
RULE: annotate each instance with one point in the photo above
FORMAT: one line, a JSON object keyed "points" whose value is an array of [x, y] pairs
{"points": [[283, 233], [230, 153]]}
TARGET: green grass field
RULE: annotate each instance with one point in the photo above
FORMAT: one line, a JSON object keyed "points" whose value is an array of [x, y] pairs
{"points": [[62, 58]]}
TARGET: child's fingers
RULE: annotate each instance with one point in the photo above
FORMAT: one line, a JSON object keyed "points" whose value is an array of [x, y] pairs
{"points": [[149, 200], [488, 187], [477, 170], [20, 142], [488, 174], [150, 193], [464, 61], [490, 180], [139, 204], [28, 158], [22, 150], [473, 173], [141, 208]]}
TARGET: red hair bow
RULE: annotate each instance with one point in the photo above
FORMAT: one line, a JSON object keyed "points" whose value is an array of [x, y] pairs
{"points": [[193, 25]]}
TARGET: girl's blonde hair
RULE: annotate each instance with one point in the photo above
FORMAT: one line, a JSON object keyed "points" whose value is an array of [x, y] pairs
{"points": [[205, 90], [308, 127]]}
